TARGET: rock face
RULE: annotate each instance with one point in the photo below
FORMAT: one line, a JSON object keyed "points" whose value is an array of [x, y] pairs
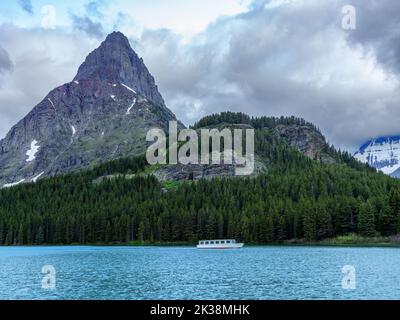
{"points": [[304, 138], [115, 62], [180, 172], [103, 114], [382, 153]]}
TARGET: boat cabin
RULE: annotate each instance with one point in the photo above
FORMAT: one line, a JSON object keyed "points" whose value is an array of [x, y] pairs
{"points": [[205, 242]]}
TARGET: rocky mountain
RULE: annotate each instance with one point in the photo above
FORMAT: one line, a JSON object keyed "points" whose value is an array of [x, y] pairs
{"points": [[304, 137], [103, 114], [295, 132], [382, 153]]}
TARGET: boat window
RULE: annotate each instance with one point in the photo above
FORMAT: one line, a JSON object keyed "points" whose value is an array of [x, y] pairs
{"points": [[211, 242], [216, 242], [228, 241], [206, 242], [223, 242], [201, 242]]}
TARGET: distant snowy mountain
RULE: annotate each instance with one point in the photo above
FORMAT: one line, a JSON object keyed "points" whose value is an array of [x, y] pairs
{"points": [[382, 153]]}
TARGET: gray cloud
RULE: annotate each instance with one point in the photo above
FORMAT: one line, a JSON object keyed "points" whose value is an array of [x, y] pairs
{"points": [[378, 30], [43, 60], [85, 24], [88, 23], [93, 8], [121, 20], [5, 61], [291, 60], [26, 5]]}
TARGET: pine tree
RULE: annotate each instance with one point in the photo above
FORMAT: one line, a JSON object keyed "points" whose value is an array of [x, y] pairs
{"points": [[324, 225], [140, 233], [40, 235], [366, 220], [281, 232], [310, 225], [387, 221]]}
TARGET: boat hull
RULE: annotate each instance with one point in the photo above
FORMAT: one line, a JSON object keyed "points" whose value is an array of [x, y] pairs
{"points": [[220, 247]]}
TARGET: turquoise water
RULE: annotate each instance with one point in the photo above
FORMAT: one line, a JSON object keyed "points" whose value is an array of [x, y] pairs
{"points": [[187, 273]]}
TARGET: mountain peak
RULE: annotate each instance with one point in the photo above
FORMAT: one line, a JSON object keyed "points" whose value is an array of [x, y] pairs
{"points": [[115, 61], [117, 36], [104, 114]]}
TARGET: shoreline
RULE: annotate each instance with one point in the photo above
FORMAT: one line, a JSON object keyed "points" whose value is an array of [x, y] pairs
{"points": [[193, 245]]}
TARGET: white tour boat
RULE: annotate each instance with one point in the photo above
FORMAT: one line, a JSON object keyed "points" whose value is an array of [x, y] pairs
{"points": [[219, 244]]}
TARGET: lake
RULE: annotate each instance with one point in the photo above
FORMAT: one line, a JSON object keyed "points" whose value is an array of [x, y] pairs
{"points": [[275, 272]]}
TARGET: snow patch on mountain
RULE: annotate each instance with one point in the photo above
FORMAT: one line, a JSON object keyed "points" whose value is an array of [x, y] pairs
{"points": [[37, 177], [31, 153], [381, 153], [9, 185], [130, 108], [129, 88], [52, 104]]}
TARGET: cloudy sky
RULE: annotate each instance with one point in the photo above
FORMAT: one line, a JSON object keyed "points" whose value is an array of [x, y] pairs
{"points": [[261, 57]]}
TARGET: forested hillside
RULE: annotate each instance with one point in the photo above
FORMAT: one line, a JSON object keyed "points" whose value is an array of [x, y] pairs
{"points": [[295, 198]]}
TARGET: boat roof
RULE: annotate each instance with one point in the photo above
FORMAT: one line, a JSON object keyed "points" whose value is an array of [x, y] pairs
{"points": [[219, 240]]}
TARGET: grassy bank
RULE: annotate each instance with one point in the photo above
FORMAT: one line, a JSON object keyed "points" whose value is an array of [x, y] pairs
{"points": [[346, 240], [351, 240], [354, 239], [158, 244]]}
